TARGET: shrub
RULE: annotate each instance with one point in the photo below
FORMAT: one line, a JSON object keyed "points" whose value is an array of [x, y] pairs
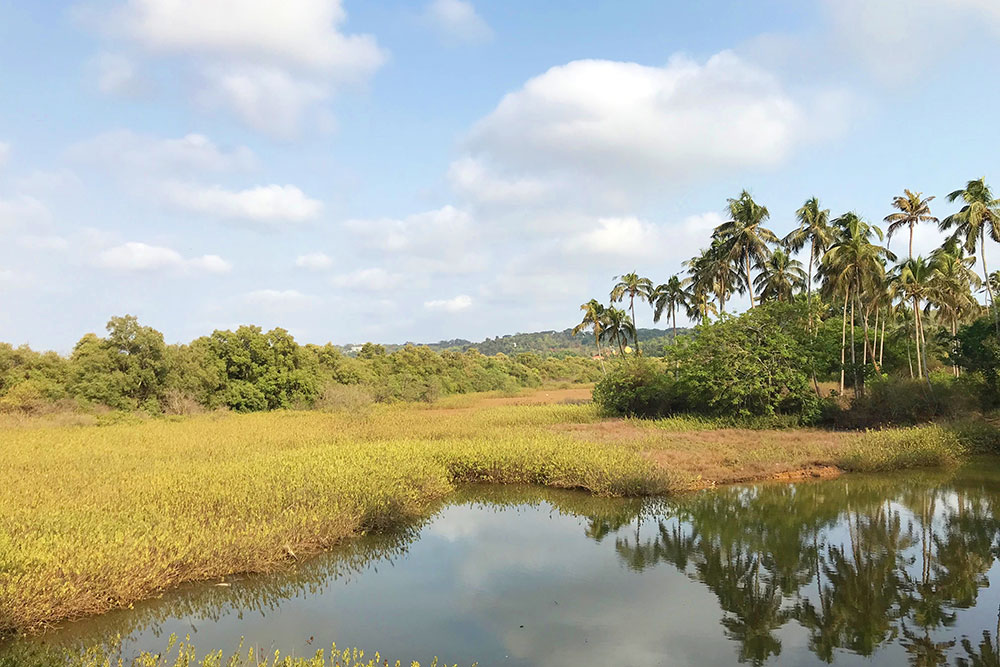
{"points": [[908, 401], [344, 397], [636, 387]]}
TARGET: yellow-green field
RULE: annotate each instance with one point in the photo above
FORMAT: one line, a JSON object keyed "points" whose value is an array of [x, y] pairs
{"points": [[94, 517]]}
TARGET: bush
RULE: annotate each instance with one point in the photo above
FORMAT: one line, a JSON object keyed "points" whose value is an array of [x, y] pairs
{"points": [[908, 401], [637, 387], [344, 397]]}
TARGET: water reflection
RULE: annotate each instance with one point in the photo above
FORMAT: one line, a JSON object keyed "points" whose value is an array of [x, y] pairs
{"points": [[894, 569]]}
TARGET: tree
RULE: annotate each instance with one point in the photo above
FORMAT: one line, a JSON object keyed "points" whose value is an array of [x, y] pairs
{"points": [[913, 209], [670, 296], [712, 272], [744, 237], [780, 277], [915, 278], [978, 217], [814, 229], [593, 319], [631, 285], [617, 328]]}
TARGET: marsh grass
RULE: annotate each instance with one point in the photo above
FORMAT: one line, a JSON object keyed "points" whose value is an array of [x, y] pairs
{"points": [[97, 517], [918, 447]]}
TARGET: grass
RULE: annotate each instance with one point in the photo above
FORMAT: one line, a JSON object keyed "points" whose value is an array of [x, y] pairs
{"points": [[96, 517]]}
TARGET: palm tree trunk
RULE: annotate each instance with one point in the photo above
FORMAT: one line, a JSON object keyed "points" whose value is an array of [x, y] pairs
{"points": [[986, 274], [635, 332], [854, 359], [909, 358], [916, 334], [881, 348], [809, 283], [843, 341], [911, 240], [600, 354], [749, 282], [673, 316]]}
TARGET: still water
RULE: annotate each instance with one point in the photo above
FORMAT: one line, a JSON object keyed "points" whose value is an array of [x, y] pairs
{"points": [[886, 570]]}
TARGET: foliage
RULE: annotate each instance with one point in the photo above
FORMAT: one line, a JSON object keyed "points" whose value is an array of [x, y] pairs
{"points": [[977, 349], [921, 447], [636, 387]]}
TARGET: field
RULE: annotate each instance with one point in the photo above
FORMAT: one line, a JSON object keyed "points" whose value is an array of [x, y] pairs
{"points": [[95, 517]]}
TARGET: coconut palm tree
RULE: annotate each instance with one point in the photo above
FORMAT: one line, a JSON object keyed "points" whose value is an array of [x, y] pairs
{"points": [[952, 286], [815, 231], [617, 328], [852, 264], [913, 209], [744, 237], [593, 319], [915, 279], [712, 272], [978, 218], [780, 276], [631, 285], [670, 296]]}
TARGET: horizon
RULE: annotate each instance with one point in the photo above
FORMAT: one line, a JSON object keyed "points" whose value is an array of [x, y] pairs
{"points": [[330, 178]]}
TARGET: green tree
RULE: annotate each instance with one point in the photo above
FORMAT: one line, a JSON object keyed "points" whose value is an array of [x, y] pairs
{"points": [[632, 286], [593, 319], [913, 208], [617, 328], [815, 231], [780, 276], [978, 218], [744, 237], [670, 296]]}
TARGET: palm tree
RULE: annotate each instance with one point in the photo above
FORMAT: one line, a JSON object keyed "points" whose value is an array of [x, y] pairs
{"points": [[712, 272], [744, 236], [915, 278], [952, 286], [633, 286], [670, 296], [978, 217], [913, 209], [593, 318], [617, 327], [814, 229], [852, 264], [780, 276]]}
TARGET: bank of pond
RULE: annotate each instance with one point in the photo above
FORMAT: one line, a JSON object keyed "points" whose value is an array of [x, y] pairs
{"points": [[864, 569]]}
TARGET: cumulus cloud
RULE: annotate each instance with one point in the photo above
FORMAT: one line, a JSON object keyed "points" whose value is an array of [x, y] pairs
{"points": [[316, 261], [288, 299], [606, 123], [22, 210], [437, 241], [471, 177], [634, 237], [453, 305], [898, 39], [457, 20], [116, 74], [142, 257], [265, 61], [149, 154], [266, 98], [369, 280], [265, 204]]}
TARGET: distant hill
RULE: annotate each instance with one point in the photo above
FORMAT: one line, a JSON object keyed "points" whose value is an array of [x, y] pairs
{"points": [[539, 342]]}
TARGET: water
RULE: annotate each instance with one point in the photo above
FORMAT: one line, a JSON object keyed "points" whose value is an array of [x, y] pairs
{"points": [[860, 570]]}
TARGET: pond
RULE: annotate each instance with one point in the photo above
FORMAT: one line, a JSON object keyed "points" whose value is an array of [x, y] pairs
{"points": [[858, 570]]}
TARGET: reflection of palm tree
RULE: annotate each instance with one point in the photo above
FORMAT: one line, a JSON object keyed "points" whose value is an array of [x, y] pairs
{"points": [[986, 654], [923, 650]]}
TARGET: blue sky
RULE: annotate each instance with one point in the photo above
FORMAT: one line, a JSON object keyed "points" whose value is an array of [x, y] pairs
{"points": [[397, 171]]}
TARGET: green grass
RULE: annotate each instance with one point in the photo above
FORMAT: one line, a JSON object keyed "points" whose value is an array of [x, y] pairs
{"points": [[97, 517], [919, 447]]}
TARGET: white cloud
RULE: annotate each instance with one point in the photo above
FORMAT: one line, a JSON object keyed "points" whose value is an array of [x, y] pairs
{"points": [[117, 74], [316, 261], [133, 151], [299, 32], [471, 177], [609, 124], [266, 98], [289, 299], [210, 264], [898, 39], [142, 257], [368, 280], [22, 210], [266, 204], [267, 62], [627, 237], [453, 305], [33, 242], [438, 241], [457, 20]]}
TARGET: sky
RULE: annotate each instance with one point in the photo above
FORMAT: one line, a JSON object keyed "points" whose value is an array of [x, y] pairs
{"points": [[417, 171]]}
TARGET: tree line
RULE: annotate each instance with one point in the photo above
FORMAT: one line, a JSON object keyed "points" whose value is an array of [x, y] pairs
{"points": [[249, 369], [916, 303]]}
